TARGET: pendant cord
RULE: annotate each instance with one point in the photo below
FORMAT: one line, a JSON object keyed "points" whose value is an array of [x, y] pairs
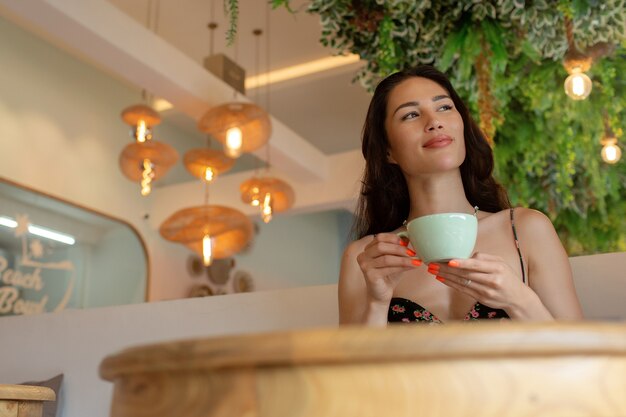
{"points": [[267, 79]]}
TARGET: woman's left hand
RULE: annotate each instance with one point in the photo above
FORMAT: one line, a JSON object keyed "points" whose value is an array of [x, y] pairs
{"points": [[486, 278]]}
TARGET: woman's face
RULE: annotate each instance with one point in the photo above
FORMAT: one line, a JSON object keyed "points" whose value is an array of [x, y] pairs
{"points": [[424, 128]]}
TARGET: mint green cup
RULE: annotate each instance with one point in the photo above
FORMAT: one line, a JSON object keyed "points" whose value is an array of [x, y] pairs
{"points": [[444, 236]]}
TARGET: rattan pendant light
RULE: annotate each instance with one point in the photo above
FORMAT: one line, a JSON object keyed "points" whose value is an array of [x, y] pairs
{"points": [[240, 127], [141, 118], [270, 194], [213, 232], [207, 163], [147, 162]]}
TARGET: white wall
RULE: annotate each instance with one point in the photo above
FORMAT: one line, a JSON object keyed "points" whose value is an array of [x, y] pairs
{"points": [[74, 342]]}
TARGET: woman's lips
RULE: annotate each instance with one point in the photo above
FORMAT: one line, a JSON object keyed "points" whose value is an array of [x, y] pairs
{"points": [[438, 142]]}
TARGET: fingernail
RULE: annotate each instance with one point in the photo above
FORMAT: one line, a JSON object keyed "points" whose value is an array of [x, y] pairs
{"points": [[416, 262], [453, 263], [433, 266], [404, 243], [410, 252], [440, 279]]}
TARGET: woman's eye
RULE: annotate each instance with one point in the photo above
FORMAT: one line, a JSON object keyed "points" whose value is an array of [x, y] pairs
{"points": [[446, 107], [410, 115]]}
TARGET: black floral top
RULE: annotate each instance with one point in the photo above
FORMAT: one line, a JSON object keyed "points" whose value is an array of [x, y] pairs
{"points": [[403, 310]]}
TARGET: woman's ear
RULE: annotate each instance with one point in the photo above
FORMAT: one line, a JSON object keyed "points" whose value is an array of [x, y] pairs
{"points": [[390, 158]]}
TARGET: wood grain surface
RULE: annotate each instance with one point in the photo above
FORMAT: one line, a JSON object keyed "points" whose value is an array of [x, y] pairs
{"points": [[23, 400], [495, 369]]}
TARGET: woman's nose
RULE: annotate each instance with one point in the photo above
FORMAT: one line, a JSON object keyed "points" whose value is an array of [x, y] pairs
{"points": [[433, 123]]}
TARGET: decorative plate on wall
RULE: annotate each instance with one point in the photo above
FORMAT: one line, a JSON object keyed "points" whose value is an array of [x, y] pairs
{"points": [[219, 271], [242, 282], [200, 291]]}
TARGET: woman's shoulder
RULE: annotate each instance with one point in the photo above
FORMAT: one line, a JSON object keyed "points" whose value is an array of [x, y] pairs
{"points": [[525, 220], [357, 246], [531, 218]]}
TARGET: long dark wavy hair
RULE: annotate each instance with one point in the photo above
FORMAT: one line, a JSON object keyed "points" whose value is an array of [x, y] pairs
{"points": [[384, 200]]}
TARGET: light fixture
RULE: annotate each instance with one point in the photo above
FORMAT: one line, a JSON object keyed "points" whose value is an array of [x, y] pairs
{"points": [[240, 127], [213, 232], [611, 152], [301, 70], [146, 162], [270, 194], [577, 85], [40, 231], [207, 164], [141, 118]]}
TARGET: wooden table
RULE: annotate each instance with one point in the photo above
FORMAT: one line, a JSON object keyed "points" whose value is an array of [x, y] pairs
{"points": [[23, 400], [453, 370]]}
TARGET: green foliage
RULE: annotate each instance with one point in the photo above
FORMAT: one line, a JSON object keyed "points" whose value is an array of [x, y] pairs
{"points": [[231, 9], [547, 146]]}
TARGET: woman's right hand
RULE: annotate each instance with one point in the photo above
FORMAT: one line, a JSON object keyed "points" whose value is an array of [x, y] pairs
{"points": [[382, 262]]}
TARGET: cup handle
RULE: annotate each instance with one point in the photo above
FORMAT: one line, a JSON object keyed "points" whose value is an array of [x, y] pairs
{"points": [[403, 234]]}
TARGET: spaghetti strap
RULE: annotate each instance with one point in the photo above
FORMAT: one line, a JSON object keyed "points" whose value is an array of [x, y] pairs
{"points": [[519, 252]]}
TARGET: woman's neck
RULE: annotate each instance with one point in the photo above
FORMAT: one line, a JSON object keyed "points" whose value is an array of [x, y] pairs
{"points": [[440, 193]]}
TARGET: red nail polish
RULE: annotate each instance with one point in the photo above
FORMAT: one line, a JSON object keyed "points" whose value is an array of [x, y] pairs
{"points": [[440, 279], [433, 266], [404, 243], [410, 252], [416, 262], [453, 263]]}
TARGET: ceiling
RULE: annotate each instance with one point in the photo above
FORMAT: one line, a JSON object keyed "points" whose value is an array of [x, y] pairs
{"points": [[316, 119], [324, 108]]}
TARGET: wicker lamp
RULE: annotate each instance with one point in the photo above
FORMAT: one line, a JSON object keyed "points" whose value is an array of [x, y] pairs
{"points": [[141, 118], [213, 232], [271, 194], [207, 164], [240, 127], [146, 162]]}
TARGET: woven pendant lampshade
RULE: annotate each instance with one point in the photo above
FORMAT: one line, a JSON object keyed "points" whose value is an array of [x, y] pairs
{"points": [[146, 162], [230, 230], [141, 118], [240, 127], [271, 194], [207, 164]]}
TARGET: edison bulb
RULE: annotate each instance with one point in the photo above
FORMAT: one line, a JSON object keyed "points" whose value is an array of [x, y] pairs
{"points": [[266, 209], [611, 153], [147, 175], [234, 141], [142, 133], [207, 250], [209, 174], [578, 85]]}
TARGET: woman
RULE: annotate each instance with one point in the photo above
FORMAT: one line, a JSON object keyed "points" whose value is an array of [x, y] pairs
{"points": [[424, 154]]}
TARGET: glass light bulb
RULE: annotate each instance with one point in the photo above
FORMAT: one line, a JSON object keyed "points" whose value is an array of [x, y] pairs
{"points": [[266, 210], [207, 250], [611, 153], [146, 177], [141, 131], [255, 197], [209, 174], [578, 86], [234, 141]]}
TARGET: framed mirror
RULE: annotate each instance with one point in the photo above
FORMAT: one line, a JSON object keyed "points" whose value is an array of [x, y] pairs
{"points": [[55, 255]]}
